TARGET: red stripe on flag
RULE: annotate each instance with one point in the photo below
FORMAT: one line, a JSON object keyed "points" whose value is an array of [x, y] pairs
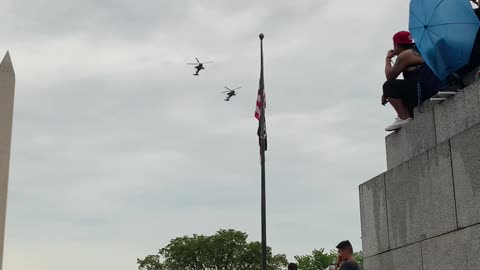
{"points": [[258, 109]]}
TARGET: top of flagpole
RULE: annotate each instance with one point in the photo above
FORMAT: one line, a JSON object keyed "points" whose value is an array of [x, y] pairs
{"points": [[261, 36]]}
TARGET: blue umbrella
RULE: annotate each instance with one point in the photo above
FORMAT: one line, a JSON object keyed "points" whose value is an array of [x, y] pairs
{"points": [[444, 32]]}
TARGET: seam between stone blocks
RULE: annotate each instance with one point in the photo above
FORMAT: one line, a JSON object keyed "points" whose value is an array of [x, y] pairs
{"points": [[426, 150], [386, 209], [453, 184], [428, 239], [434, 125], [421, 255], [437, 144]]}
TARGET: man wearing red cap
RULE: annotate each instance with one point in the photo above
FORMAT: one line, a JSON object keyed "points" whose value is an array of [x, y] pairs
{"points": [[403, 94]]}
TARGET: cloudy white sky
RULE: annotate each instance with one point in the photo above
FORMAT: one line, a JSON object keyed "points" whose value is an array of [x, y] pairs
{"points": [[117, 148]]}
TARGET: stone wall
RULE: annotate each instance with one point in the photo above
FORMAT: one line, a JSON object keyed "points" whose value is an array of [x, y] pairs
{"points": [[424, 211]]}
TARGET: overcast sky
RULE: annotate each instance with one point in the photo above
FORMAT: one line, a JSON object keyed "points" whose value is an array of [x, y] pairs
{"points": [[117, 148]]}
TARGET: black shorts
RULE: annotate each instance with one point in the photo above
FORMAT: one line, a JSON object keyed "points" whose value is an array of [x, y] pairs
{"points": [[406, 90]]}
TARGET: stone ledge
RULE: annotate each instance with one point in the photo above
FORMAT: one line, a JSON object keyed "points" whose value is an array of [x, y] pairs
{"points": [[435, 124], [457, 113], [373, 213], [408, 257], [457, 250], [420, 198], [466, 175], [413, 139]]}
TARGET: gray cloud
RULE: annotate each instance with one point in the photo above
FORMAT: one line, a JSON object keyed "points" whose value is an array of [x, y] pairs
{"points": [[117, 148]]}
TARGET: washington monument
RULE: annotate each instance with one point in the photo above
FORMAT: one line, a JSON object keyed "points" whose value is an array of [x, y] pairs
{"points": [[7, 89]]}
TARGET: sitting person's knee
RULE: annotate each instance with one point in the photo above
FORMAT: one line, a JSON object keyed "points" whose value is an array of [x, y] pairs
{"points": [[387, 88]]}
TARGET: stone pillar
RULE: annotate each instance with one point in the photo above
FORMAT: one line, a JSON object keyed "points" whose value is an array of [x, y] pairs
{"points": [[7, 89]]}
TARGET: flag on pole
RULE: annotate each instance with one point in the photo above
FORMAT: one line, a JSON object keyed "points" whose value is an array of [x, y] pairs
{"points": [[260, 99], [262, 139], [260, 109]]}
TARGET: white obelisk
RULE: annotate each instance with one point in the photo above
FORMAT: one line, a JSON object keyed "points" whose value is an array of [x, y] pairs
{"points": [[7, 90]]}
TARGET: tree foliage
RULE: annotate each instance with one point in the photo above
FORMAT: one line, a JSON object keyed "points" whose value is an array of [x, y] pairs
{"points": [[358, 257], [225, 250], [319, 259]]}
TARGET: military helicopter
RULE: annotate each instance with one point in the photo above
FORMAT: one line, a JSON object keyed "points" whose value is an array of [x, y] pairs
{"points": [[230, 92], [198, 66]]}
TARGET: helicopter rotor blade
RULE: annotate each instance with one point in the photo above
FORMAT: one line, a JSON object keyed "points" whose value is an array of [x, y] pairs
{"points": [[228, 88], [209, 62], [197, 60], [237, 88], [192, 64], [224, 91]]}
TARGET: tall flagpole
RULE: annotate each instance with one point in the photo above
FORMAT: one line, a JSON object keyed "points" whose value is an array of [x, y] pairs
{"points": [[262, 162]]}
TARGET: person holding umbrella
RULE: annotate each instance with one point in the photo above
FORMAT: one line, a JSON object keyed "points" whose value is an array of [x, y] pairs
{"points": [[404, 94]]}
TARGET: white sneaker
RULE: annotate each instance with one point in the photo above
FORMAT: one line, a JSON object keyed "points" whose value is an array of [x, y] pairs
{"points": [[446, 93], [398, 123]]}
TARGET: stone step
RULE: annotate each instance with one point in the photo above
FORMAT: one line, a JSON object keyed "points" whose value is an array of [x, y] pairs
{"points": [[434, 193], [456, 250], [434, 124]]}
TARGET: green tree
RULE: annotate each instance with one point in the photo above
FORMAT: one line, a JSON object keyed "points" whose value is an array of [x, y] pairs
{"points": [[151, 262], [318, 260], [225, 250], [359, 257]]}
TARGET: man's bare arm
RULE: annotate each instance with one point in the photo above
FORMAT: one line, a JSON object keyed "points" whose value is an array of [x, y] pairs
{"points": [[404, 60], [392, 72]]}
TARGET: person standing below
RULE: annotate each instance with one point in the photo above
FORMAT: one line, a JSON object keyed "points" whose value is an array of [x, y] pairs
{"points": [[345, 258]]}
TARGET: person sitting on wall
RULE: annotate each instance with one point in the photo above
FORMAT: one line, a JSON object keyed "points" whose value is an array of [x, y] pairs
{"points": [[417, 84]]}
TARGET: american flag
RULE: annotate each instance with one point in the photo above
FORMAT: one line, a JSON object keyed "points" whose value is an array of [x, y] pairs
{"points": [[260, 112], [260, 100]]}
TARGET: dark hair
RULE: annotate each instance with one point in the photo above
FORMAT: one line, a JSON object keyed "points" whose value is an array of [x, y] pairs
{"points": [[345, 245], [292, 266], [406, 46]]}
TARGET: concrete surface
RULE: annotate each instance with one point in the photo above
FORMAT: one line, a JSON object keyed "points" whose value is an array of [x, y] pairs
{"points": [[466, 172], [414, 138], [373, 209], [420, 198], [454, 251]]}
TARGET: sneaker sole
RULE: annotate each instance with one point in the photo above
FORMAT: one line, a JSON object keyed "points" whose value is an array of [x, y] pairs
{"points": [[447, 94], [437, 100]]}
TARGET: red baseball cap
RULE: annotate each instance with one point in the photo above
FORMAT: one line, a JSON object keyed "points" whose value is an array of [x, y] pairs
{"points": [[402, 37]]}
